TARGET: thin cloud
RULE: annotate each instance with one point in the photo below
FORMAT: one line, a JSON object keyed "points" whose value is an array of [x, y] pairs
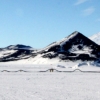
{"points": [[88, 11], [80, 2]]}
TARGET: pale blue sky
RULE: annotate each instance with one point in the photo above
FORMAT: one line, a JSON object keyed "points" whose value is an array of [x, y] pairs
{"points": [[40, 22]]}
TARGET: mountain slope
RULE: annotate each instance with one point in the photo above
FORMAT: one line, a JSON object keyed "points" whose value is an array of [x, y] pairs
{"points": [[96, 38], [74, 47], [15, 52]]}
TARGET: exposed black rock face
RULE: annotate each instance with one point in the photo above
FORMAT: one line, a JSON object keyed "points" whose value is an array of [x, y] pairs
{"points": [[19, 54], [16, 52], [74, 47]]}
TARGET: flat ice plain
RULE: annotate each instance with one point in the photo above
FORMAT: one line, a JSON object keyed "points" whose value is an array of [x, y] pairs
{"points": [[48, 85]]}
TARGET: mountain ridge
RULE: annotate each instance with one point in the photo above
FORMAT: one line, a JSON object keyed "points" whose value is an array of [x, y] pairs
{"points": [[74, 47]]}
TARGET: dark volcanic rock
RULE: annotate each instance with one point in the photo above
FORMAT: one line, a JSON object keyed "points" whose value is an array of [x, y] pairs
{"points": [[74, 47], [16, 52]]}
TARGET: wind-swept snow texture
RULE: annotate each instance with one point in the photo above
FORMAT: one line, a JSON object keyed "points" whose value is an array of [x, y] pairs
{"points": [[49, 86]]}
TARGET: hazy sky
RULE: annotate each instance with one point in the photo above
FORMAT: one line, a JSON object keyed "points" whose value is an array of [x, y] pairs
{"points": [[40, 22]]}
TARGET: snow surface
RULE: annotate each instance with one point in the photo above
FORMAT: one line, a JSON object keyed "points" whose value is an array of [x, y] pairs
{"points": [[49, 86], [96, 38], [34, 67], [35, 85]]}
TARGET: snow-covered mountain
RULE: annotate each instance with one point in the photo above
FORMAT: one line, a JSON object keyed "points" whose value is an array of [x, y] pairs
{"points": [[96, 38], [15, 52], [74, 47], [19, 46]]}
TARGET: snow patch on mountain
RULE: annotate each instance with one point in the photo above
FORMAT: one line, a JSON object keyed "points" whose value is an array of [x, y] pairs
{"points": [[96, 38], [5, 52]]}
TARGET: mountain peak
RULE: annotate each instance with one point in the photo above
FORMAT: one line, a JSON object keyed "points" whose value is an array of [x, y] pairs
{"points": [[76, 32], [74, 47], [73, 34]]}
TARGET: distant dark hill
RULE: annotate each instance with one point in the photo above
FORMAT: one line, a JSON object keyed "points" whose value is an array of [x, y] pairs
{"points": [[19, 46], [15, 52]]}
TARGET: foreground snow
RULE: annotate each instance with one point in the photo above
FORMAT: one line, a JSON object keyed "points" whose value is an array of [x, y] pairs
{"points": [[61, 66], [49, 86], [35, 85]]}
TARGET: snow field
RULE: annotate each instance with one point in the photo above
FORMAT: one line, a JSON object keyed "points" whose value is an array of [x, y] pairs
{"points": [[49, 86]]}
